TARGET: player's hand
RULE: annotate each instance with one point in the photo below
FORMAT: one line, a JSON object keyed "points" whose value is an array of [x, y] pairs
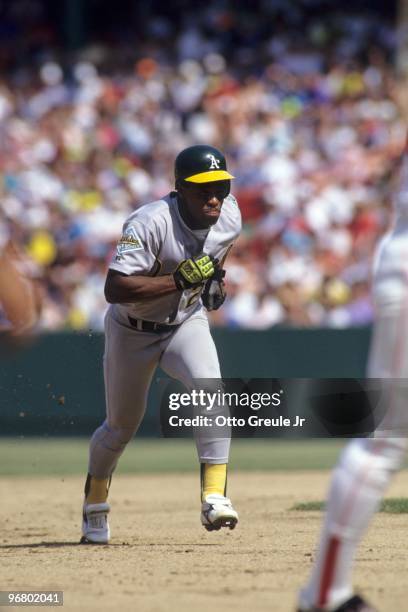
{"points": [[214, 293], [194, 271]]}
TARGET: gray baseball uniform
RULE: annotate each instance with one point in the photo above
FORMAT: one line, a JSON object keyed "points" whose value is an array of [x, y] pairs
{"points": [[154, 241]]}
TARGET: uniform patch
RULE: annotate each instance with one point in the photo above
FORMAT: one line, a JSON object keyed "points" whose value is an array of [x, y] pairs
{"points": [[130, 241]]}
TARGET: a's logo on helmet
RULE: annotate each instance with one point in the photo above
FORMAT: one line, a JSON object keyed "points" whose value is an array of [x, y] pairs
{"points": [[215, 163]]}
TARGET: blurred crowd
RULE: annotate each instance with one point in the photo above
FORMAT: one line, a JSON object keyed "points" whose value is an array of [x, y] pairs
{"points": [[305, 106]]}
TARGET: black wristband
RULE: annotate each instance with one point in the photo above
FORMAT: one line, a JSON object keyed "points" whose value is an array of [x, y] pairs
{"points": [[179, 281]]}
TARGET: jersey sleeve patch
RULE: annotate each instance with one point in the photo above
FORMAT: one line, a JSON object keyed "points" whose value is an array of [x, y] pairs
{"points": [[129, 241]]}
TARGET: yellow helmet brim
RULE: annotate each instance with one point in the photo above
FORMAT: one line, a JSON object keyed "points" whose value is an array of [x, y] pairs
{"points": [[210, 177]]}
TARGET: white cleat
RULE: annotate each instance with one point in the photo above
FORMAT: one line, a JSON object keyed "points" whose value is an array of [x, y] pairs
{"points": [[95, 526], [217, 512]]}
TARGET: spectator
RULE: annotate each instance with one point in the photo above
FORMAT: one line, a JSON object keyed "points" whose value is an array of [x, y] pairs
{"points": [[309, 119]]}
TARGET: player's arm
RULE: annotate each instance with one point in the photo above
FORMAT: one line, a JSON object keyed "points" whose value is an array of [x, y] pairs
{"points": [[122, 288], [137, 253], [17, 295]]}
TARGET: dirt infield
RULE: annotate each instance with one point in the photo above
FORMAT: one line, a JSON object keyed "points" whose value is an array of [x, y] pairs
{"points": [[161, 559]]}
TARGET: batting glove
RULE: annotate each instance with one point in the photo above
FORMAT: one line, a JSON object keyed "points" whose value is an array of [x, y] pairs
{"points": [[214, 293], [194, 271]]}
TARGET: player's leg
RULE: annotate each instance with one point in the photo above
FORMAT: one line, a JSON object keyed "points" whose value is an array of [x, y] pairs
{"points": [[358, 484], [129, 363], [366, 466], [191, 355]]}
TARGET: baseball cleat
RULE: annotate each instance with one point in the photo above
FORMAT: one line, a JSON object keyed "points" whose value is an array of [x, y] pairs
{"points": [[354, 604], [95, 526], [217, 512]]}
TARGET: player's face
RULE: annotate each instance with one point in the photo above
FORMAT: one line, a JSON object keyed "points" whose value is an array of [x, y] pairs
{"points": [[203, 201]]}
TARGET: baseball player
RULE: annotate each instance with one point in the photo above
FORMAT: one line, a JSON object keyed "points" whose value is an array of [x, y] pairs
{"points": [[366, 466], [164, 275]]}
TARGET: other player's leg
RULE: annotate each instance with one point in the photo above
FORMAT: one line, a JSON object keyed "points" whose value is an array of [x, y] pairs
{"points": [[365, 467], [358, 484]]}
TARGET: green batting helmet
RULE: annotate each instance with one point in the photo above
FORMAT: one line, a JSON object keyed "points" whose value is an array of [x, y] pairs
{"points": [[201, 164]]}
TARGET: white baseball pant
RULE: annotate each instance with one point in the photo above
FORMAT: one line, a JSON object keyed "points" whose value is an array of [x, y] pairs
{"points": [[130, 360]]}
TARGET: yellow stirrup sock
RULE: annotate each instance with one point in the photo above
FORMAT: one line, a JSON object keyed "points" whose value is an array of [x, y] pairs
{"points": [[213, 479], [96, 489]]}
